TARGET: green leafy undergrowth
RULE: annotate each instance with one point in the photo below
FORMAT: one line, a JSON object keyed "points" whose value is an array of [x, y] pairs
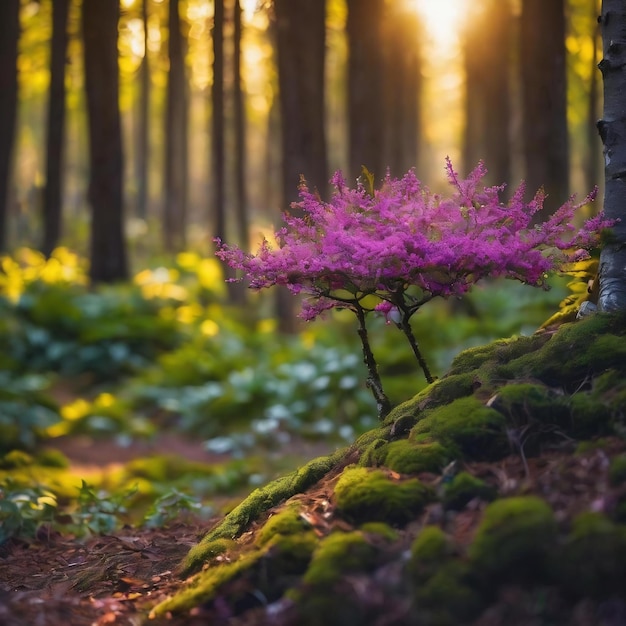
{"points": [[473, 481]]}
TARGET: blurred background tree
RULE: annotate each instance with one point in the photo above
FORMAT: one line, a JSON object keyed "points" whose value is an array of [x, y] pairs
{"points": [[223, 105]]}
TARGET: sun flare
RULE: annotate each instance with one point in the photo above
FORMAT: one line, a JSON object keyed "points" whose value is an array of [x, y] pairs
{"points": [[443, 19]]}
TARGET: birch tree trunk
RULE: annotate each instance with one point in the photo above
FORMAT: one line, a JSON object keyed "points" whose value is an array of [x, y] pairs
{"points": [[613, 134]]}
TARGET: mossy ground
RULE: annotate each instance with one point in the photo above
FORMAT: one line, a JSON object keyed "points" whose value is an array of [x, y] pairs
{"points": [[499, 491]]}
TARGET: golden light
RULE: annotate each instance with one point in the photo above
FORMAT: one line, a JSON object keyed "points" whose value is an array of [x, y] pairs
{"points": [[443, 19]]}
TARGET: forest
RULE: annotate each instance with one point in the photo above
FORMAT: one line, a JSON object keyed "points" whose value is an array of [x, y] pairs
{"points": [[259, 360]]}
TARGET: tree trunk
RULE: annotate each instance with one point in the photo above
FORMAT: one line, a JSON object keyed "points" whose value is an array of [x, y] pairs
{"points": [[366, 121], [176, 159], [300, 37], [143, 126], [546, 145], [240, 135], [592, 160], [613, 133], [217, 125], [402, 78], [53, 192], [9, 37], [108, 248], [487, 60]]}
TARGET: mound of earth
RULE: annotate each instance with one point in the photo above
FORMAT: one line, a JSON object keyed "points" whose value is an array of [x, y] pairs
{"points": [[495, 496]]}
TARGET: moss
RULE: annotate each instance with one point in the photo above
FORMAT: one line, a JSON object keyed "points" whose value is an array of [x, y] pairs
{"points": [[339, 554], [286, 522], [204, 552], [372, 455], [363, 495], [500, 351], [446, 598], [593, 560], [380, 529], [442, 391], [442, 591], [617, 470], [514, 541], [589, 416], [476, 431], [465, 487], [429, 549], [259, 501], [369, 437], [574, 353], [270, 570], [407, 457], [204, 585], [523, 402]]}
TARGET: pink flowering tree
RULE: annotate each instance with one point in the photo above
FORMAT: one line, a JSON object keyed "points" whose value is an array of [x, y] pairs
{"points": [[392, 250]]}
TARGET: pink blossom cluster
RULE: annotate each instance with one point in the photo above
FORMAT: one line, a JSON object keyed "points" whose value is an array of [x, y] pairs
{"points": [[406, 245]]}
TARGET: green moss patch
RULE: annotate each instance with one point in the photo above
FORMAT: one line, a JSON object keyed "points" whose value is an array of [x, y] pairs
{"points": [[515, 541], [464, 488], [339, 553], [442, 591], [286, 522], [469, 427], [362, 495], [408, 457], [259, 501], [593, 560], [574, 354]]}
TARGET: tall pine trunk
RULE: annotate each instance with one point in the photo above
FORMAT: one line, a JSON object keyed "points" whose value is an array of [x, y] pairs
{"points": [[240, 134], [301, 41], [366, 94], [108, 247], [487, 59], [9, 37], [52, 199], [176, 159], [143, 119], [217, 123], [613, 133], [544, 121], [402, 86]]}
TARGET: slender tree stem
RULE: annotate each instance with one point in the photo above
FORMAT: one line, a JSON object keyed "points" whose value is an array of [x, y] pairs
{"points": [[373, 380], [405, 327]]}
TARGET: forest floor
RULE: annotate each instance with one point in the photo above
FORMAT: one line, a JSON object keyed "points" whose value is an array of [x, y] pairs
{"points": [[58, 580]]}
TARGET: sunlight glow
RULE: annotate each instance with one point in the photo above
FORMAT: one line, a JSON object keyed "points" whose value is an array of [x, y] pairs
{"points": [[443, 19]]}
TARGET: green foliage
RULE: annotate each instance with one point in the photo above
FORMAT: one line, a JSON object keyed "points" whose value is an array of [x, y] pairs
{"points": [[171, 505], [99, 512], [25, 411], [23, 510]]}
